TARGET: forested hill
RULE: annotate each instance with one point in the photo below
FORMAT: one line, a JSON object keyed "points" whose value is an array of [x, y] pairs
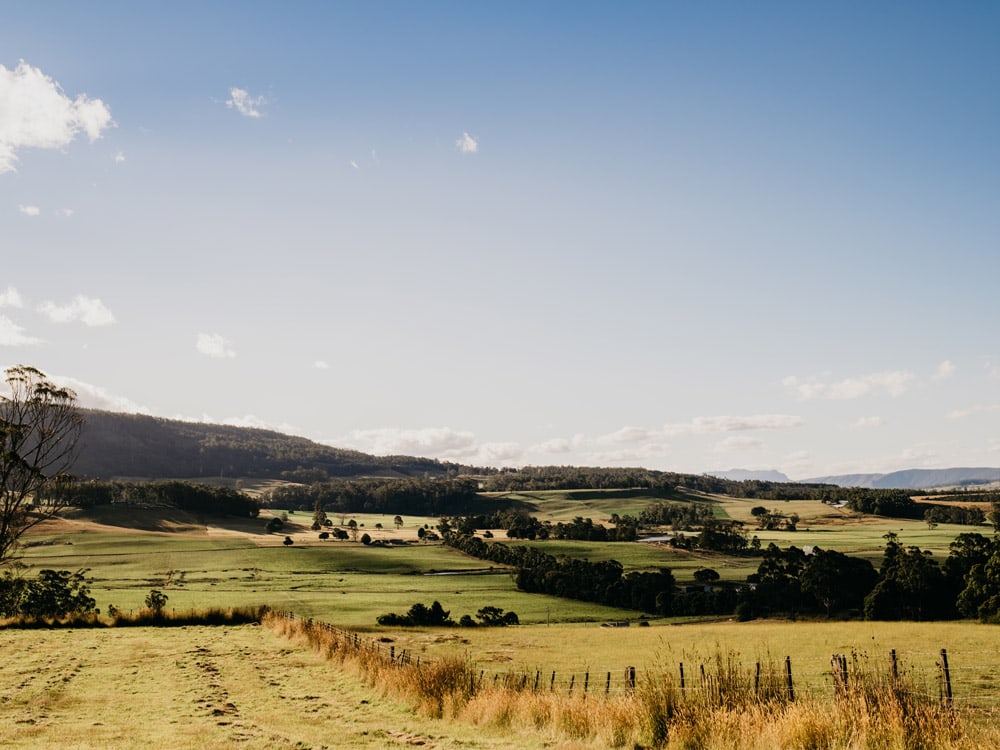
{"points": [[133, 445]]}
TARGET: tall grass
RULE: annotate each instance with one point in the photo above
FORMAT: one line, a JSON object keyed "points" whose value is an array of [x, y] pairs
{"points": [[726, 706]]}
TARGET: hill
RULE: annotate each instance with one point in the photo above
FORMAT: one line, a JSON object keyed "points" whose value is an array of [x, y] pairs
{"points": [[915, 479], [140, 446]]}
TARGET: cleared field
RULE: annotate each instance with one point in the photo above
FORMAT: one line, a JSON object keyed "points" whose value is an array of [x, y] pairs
{"points": [[204, 688]]}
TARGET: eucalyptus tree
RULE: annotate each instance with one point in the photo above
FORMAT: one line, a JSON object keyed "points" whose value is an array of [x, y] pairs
{"points": [[40, 429]]}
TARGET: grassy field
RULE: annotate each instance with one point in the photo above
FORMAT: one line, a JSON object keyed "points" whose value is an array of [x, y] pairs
{"points": [[201, 687], [204, 688]]}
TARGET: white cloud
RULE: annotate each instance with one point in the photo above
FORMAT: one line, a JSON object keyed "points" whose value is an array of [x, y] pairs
{"points": [[246, 105], [35, 113], [977, 409], [636, 455], [321, 365], [119, 157], [709, 425], [87, 310], [467, 144], [629, 435], [429, 441], [555, 445], [11, 298], [354, 164], [944, 370], [67, 212], [738, 443], [95, 397], [868, 422], [11, 334], [214, 345], [895, 383], [29, 210]]}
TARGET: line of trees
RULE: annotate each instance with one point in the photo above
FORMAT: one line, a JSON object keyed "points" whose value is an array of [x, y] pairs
{"points": [[196, 498], [416, 497]]}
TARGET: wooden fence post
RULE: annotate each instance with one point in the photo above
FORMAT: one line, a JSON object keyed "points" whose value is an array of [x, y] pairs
{"points": [[756, 680], [586, 681], [552, 682], [607, 684], [788, 678], [947, 677], [572, 681], [630, 678], [895, 666], [682, 677]]}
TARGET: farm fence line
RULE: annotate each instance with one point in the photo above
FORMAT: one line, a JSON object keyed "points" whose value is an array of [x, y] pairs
{"points": [[923, 675]]}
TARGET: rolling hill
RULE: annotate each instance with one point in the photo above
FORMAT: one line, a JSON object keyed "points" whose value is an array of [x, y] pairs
{"points": [[138, 446]]}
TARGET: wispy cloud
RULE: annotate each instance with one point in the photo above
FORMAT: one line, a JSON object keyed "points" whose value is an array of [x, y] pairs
{"points": [[38, 114], [467, 144], [119, 158], [96, 397], [868, 423], [944, 371], [708, 425], [895, 383], [29, 210], [11, 298], [443, 443], [11, 334], [629, 435], [977, 409], [246, 105], [631, 455], [321, 365], [214, 345], [87, 310], [738, 443]]}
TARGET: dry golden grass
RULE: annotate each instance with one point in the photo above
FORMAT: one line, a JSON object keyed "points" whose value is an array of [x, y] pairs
{"points": [[730, 706]]}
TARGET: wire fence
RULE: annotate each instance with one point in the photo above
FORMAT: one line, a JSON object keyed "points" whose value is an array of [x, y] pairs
{"points": [[933, 675]]}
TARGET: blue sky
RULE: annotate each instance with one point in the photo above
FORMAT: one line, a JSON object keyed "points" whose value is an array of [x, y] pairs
{"points": [[688, 236]]}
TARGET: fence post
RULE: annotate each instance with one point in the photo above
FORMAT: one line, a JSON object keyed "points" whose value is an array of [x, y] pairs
{"points": [[607, 684], [572, 681], [895, 666], [586, 681], [682, 677], [788, 678], [552, 682], [756, 681], [630, 678], [538, 675], [947, 677]]}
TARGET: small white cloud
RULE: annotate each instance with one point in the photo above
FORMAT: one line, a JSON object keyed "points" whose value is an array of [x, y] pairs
{"points": [[246, 105], [36, 113], [555, 446], [944, 370], [95, 397], [354, 164], [214, 345], [634, 455], [977, 409], [11, 334], [66, 212], [738, 443], [87, 310], [119, 158], [868, 422], [11, 298], [895, 383], [29, 210], [467, 144], [321, 365], [629, 435], [710, 425]]}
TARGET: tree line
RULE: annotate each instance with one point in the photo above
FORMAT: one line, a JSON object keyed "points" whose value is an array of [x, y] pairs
{"points": [[410, 496], [195, 498]]}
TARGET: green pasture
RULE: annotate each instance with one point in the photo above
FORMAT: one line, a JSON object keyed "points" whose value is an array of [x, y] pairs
{"points": [[345, 583]]}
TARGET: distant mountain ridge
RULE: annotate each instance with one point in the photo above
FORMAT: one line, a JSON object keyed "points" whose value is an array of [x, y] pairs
{"points": [[140, 446], [915, 479]]}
